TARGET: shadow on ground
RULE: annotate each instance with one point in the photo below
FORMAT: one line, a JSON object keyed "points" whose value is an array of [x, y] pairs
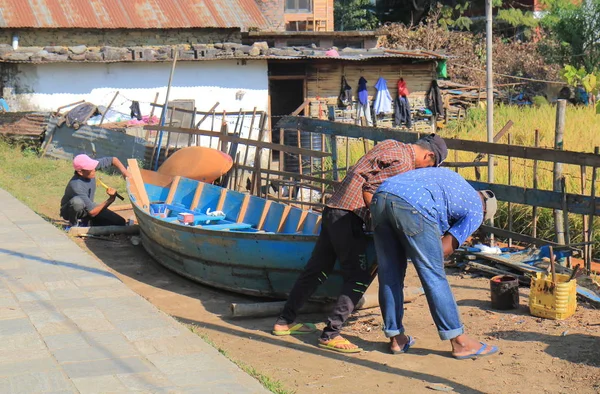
{"points": [[135, 263]]}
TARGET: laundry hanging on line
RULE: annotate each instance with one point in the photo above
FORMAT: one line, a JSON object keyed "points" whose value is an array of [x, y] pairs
{"points": [[383, 99]]}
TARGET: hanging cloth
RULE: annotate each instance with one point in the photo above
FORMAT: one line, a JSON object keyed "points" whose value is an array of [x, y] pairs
{"points": [[363, 109], [402, 112], [135, 110], [363, 94], [383, 99], [434, 99], [402, 89], [345, 97]]}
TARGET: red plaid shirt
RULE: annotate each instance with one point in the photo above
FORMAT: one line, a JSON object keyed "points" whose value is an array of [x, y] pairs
{"points": [[386, 159]]}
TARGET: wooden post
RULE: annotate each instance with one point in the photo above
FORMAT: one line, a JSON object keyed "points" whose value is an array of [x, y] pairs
{"points": [[169, 134], [510, 218], [559, 224], [535, 186], [107, 108], [334, 157], [192, 137], [151, 115], [565, 219], [584, 220], [163, 114], [255, 187], [224, 133], [323, 149], [239, 186], [593, 208]]}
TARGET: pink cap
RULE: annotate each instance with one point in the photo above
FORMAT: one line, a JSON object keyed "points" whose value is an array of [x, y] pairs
{"points": [[84, 162]]}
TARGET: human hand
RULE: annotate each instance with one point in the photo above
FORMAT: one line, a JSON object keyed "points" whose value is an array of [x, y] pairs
{"points": [[126, 174], [111, 192]]}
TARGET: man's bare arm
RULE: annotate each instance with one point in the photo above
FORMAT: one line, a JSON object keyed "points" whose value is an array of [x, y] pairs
{"points": [[449, 244]]}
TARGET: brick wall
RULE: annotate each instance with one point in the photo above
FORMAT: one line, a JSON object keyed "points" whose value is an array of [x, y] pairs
{"points": [[273, 11], [119, 37]]}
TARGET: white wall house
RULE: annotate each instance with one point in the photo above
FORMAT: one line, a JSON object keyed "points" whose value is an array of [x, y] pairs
{"points": [[45, 87]]}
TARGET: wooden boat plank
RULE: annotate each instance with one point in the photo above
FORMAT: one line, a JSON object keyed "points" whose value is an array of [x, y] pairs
{"points": [[134, 169], [172, 190], [197, 195]]}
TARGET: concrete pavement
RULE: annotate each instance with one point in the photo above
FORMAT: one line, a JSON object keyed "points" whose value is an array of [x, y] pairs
{"points": [[68, 325]]}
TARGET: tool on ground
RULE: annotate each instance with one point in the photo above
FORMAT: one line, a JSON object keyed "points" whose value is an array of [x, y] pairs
{"points": [[552, 268], [574, 273], [104, 185]]}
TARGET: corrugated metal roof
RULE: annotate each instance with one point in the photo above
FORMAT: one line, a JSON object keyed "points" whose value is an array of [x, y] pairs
{"points": [[131, 14]]}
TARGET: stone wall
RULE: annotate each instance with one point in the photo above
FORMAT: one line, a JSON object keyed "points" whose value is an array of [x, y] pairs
{"points": [[118, 37], [273, 11]]}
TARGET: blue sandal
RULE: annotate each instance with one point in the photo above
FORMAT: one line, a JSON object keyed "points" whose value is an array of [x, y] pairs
{"points": [[407, 345], [479, 353]]}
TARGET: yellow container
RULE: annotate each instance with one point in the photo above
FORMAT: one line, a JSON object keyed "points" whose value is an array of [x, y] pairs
{"points": [[556, 303]]}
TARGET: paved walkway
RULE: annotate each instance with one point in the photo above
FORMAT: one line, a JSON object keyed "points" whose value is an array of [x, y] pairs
{"points": [[68, 325]]}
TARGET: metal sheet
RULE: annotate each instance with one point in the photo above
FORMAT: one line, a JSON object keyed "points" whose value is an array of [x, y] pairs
{"points": [[131, 14], [94, 141]]}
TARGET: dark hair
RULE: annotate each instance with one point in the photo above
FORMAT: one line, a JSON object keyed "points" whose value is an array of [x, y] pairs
{"points": [[425, 145]]}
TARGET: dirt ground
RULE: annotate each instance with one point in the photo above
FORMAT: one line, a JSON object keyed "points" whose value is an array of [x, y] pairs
{"points": [[537, 355]]}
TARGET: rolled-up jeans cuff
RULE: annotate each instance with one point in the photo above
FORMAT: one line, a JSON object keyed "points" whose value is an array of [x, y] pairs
{"points": [[393, 333], [447, 335]]}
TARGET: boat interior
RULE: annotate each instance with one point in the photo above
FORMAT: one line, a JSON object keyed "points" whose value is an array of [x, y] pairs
{"points": [[188, 202]]}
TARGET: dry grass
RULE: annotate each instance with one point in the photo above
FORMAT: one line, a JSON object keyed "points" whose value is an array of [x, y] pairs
{"points": [[40, 182], [582, 134]]}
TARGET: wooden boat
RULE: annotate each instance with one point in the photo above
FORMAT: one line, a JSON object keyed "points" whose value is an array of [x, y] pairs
{"points": [[235, 241]]}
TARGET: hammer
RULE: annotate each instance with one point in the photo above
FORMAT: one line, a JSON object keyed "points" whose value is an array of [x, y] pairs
{"points": [[104, 185]]}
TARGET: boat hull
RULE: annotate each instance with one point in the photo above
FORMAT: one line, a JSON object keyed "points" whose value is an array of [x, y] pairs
{"points": [[258, 264]]}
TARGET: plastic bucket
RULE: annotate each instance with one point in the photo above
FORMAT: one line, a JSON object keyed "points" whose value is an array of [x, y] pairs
{"points": [[505, 292]]}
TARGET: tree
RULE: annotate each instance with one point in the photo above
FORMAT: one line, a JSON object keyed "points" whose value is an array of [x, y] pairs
{"points": [[575, 34], [355, 15]]}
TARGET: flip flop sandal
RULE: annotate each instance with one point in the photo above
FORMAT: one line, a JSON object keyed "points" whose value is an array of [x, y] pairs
{"points": [[296, 330], [335, 342], [407, 345], [479, 353]]}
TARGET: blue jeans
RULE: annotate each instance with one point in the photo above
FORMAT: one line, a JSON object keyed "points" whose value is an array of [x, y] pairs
{"points": [[401, 232]]}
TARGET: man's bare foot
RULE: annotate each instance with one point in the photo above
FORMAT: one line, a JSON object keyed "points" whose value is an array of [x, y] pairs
{"points": [[398, 342], [465, 346]]}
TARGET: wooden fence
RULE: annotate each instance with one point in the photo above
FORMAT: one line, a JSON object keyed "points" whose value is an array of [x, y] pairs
{"points": [[309, 186]]}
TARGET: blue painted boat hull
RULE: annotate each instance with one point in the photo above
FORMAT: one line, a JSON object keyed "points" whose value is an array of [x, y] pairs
{"points": [[253, 263]]}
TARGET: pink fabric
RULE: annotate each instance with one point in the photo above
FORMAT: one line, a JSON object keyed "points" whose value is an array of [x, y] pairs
{"points": [[145, 120], [332, 53], [84, 162]]}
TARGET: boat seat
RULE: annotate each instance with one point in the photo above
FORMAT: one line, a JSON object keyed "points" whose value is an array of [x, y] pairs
{"points": [[197, 218], [226, 226]]}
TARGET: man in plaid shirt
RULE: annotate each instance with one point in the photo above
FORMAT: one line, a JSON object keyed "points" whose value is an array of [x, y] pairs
{"points": [[342, 236]]}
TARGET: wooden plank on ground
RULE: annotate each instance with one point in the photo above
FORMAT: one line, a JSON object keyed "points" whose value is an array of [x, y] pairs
{"points": [[104, 230]]}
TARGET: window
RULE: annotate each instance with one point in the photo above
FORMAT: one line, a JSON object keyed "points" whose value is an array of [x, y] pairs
{"points": [[299, 6]]}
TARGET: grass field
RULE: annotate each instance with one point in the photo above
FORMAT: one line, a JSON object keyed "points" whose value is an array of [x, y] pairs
{"points": [[40, 182], [582, 134]]}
